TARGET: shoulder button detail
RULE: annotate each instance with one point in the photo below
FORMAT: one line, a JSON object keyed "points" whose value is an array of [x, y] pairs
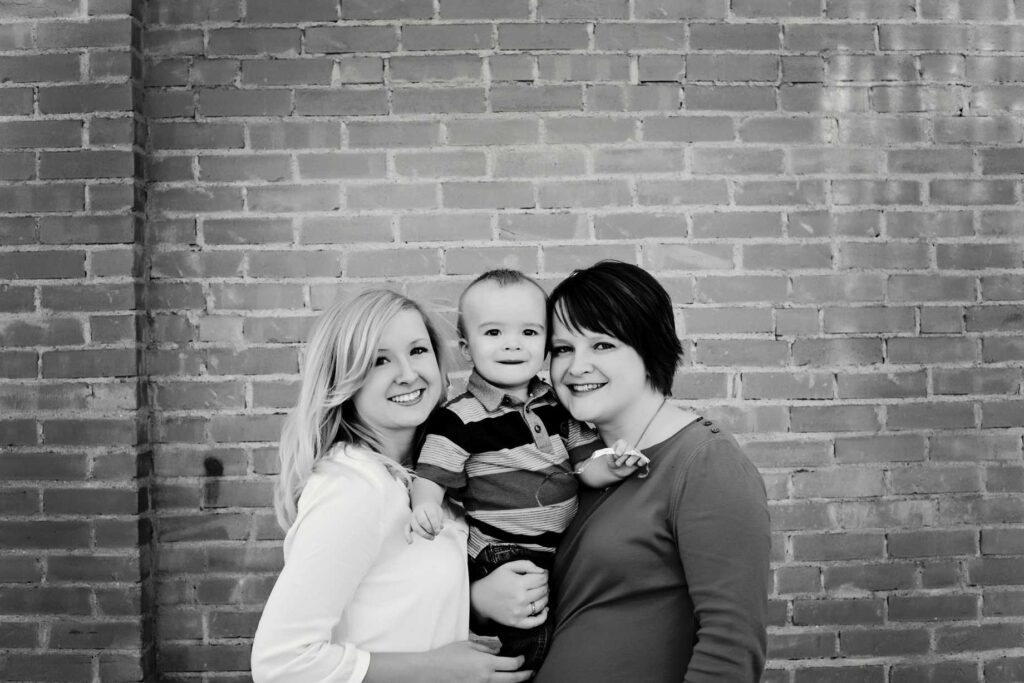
{"points": [[714, 430], [707, 423]]}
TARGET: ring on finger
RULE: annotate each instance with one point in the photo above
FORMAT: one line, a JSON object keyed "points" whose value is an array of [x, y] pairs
{"points": [[533, 608]]}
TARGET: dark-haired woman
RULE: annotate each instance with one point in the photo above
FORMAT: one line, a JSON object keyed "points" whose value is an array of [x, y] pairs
{"points": [[661, 578]]}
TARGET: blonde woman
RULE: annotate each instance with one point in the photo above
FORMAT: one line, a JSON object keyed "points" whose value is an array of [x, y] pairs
{"points": [[357, 600]]}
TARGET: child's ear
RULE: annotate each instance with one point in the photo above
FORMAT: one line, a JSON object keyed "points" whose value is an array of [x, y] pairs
{"points": [[464, 348]]}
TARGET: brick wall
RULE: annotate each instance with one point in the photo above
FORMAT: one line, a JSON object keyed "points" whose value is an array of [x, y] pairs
{"points": [[830, 189], [74, 552]]}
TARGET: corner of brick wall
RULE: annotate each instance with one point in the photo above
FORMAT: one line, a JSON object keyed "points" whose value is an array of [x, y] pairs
{"points": [[74, 577]]}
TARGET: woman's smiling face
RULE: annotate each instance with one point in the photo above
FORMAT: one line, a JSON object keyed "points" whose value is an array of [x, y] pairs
{"points": [[404, 384], [597, 377]]}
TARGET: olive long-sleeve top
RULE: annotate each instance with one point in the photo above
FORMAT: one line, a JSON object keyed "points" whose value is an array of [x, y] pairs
{"points": [[666, 578]]}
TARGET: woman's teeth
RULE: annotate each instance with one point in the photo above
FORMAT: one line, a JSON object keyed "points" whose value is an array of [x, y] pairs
{"points": [[407, 398], [585, 387]]}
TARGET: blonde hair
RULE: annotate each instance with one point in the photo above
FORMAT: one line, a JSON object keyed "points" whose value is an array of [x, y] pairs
{"points": [[340, 353]]}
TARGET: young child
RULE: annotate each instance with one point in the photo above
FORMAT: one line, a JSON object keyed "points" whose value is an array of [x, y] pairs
{"points": [[506, 448]]}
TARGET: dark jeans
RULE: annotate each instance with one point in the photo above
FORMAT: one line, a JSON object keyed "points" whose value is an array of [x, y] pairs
{"points": [[531, 643]]}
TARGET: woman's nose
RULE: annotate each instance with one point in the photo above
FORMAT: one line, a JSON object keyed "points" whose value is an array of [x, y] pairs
{"points": [[406, 372], [580, 364]]}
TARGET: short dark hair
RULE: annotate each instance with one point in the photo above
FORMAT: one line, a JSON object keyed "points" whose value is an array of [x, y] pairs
{"points": [[626, 302], [503, 277]]}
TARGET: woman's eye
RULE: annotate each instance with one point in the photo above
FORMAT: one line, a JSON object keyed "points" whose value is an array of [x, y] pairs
{"points": [[603, 346], [380, 360], [559, 350], [417, 350]]}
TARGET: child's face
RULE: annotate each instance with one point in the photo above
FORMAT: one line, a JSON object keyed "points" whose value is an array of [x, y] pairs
{"points": [[505, 333]]}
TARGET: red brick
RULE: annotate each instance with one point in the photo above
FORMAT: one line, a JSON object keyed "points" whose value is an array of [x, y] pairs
{"points": [[993, 318], [771, 385], [976, 637], [884, 642], [725, 320], [566, 259], [43, 534], [780, 192], [1002, 603], [282, 42], [688, 129], [851, 611], [513, 98], [558, 226], [257, 296], [546, 161], [47, 666], [908, 288], [930, 416], [869, 577], [444, 37], [977, 129], [741, 289], [467, 261], [734, 352], [834, 418], [189, 657], [681, 192], [950, 381], [1004, 670]]}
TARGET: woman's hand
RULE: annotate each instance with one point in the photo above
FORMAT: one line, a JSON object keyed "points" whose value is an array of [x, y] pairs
{"points": [[464, 662], [469, 662], [515, 594]]}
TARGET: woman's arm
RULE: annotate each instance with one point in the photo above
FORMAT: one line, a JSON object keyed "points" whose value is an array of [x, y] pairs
{"points": [[330, 550], [723, 539]]}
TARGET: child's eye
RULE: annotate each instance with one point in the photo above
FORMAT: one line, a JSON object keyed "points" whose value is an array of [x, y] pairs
{"points": [[380, 360], [559, 350], [492, 333], [530, 333], [418, 350]]}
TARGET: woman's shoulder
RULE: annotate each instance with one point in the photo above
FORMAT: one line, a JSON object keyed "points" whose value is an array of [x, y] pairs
{"points": [[703, 439], [346, 465]]}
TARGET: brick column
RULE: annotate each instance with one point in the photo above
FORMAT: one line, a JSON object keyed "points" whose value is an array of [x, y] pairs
{"points": [[73, 433]]}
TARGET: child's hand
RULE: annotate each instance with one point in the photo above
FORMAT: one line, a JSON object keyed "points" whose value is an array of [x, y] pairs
{"points": [[623, 460], [427, 520]]}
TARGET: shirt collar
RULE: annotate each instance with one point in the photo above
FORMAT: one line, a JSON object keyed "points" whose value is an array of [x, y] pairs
{"points": [[491, 396]]}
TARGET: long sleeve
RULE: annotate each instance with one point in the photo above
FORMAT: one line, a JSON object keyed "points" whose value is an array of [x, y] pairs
{"points": [[328, 552], [723, 536]]}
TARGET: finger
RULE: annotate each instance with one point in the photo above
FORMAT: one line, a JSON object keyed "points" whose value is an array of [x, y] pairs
{"points": [[508, 663], [408, 533], [512, 677], [534, 621], [526, 567], [481, 647]]}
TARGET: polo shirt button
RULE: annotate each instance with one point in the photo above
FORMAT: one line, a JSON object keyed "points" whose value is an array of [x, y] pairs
{"points": [[714, 430], [536, 428], [707, 423]]}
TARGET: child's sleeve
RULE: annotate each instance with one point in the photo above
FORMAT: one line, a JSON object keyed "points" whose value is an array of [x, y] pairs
{"points": [[581, 440], [442, 459]]}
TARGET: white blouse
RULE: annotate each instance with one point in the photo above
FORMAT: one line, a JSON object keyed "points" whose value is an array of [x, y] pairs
{"points": [[352, 585]]}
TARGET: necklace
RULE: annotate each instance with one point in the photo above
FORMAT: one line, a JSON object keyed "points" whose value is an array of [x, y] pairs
{"points": [[647, 426]]}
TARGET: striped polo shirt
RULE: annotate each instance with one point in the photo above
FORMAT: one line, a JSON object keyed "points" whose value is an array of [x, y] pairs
{"points": [[508, 462]]}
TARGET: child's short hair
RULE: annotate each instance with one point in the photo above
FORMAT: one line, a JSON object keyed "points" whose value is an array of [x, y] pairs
{"points": [[503, 277], [626, 302]]}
